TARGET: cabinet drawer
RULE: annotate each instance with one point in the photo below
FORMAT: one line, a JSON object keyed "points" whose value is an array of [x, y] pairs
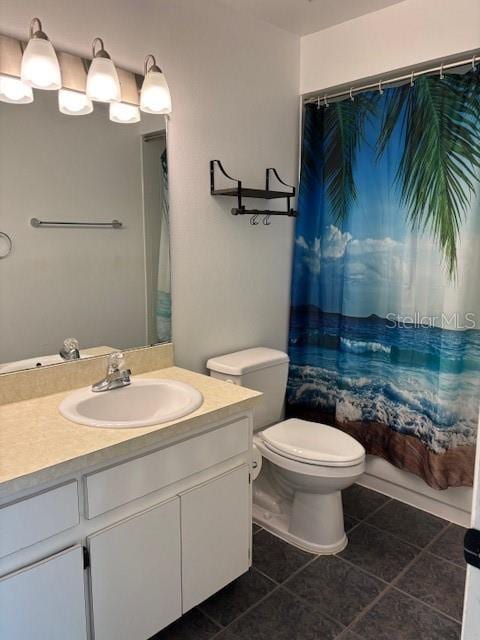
{"points": [[38, 517], [133, 479]]}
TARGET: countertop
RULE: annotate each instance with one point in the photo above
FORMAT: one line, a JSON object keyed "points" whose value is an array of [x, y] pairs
{"points": [[38, 445]]}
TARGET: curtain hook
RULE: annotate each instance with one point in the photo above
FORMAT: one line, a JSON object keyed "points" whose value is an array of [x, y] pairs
{"points": [[253, 219], [474, 66], [412, 79], [380, 90], [351, 95], [266, 220], [318, 102], [325, 101], [441, 72]]}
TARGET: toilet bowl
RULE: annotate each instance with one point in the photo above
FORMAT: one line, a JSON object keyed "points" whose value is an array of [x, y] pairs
{"points": [[305, 465], [309, 465]]}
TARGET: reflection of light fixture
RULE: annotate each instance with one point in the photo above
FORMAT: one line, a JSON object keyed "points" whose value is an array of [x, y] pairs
{"points": [[102, 78], [124, 113], [15, 91], [40, 68], [155, 94], [127, 110], [72, 99], [12, 89], [74, 103]]}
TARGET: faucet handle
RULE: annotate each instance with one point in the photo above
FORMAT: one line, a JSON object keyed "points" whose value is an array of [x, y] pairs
{"points": [[116, 361]]}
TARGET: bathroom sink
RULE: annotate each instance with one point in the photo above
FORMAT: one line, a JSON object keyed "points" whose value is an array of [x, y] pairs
{"points": [[143, 403]]}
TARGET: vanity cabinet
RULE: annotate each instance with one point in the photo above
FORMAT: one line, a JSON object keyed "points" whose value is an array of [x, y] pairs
{"points": [[135, 574], [119, 552], [45, 600]]}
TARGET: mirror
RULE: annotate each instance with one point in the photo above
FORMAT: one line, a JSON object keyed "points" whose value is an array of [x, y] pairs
{"points": [[107, 287]]}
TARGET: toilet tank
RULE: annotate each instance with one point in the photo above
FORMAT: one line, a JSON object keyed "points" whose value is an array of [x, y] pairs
{"points": [[261, 369]]}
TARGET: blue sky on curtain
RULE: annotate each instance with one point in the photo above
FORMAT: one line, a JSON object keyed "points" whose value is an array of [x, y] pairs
{"points": [[385, 319]]}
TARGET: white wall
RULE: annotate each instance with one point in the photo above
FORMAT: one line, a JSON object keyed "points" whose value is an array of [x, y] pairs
{"points": [[234, 84], [403, 35]]}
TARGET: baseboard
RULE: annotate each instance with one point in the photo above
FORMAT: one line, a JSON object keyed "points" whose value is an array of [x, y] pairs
{"points": [[453, 504]]}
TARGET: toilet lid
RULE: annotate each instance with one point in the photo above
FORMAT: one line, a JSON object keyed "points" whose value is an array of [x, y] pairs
{"points": [[313, 442]]}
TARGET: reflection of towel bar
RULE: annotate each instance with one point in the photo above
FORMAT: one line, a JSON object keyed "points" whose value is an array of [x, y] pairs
{"points": [[114, 224]]}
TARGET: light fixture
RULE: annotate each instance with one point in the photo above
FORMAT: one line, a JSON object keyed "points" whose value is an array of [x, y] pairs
{"points": [[74, 103], [40, 68], [12, 89], [155, 94], [102, 79], [124, 113]]}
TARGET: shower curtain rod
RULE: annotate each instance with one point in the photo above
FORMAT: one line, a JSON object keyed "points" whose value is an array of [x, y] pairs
{"points": [[323, 98]]}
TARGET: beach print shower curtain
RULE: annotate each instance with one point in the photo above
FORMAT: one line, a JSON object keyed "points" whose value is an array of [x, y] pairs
{"points": [[385, 319]]}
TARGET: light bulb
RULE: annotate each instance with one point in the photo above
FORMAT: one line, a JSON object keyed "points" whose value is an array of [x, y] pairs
{"points": [[14, 91], [74, 103], [102, 79], [124, 113], [155, 94], [40, 68]]}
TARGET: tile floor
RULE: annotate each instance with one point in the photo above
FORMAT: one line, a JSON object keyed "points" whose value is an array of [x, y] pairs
{"points": [[400, 578]]}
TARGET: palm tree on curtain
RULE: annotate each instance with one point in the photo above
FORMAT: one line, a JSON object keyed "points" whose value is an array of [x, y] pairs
{"points": [[331, 142], [440, 163], [439, 121]]}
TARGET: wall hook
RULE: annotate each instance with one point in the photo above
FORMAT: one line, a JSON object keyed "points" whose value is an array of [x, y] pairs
{"points": [[254, 220], [266, 220]]}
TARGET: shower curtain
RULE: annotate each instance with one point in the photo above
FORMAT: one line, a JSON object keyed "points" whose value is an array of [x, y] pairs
{"points": [[385, 320]]}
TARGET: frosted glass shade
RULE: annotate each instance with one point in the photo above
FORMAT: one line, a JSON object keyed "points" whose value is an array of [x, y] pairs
{"points": [[155, 94], [14, 91], [124, 113], [102, 81], [40, 68], [74, 103]]}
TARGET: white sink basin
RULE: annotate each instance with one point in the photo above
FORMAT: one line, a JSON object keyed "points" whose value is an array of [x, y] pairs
{"points": [[143, 403]]}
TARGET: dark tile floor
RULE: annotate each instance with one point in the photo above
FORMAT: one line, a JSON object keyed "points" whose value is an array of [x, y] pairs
{"points": [[401, 577]]}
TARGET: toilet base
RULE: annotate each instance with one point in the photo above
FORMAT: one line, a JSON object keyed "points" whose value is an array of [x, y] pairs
{"points": [[279, 525]]}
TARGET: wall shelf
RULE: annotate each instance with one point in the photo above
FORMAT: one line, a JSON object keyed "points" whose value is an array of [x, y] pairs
{"points": [[239, 192]]}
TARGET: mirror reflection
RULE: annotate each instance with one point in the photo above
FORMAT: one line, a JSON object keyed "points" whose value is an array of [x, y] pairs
{"points": [[105, 285]]}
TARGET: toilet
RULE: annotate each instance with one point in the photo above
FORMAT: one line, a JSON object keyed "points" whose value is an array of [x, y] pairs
{"points": [[304, 465]]}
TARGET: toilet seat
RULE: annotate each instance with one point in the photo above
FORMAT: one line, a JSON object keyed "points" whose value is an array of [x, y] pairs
{"points": [[312, 443]]}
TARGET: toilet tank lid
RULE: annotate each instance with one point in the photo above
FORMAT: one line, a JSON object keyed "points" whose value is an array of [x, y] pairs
{"points": [[247, 360]]}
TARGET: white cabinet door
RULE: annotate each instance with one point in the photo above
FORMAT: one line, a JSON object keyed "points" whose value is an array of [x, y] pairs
{"points": [[135, 574], [45, 601], [216, 535]]}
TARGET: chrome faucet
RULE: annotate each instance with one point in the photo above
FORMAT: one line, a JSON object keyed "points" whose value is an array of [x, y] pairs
{"points": [[69, 350], [117, 375]]}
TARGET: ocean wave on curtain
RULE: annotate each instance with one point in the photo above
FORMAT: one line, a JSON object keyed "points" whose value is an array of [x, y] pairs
{"points": [[385, 319]]}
